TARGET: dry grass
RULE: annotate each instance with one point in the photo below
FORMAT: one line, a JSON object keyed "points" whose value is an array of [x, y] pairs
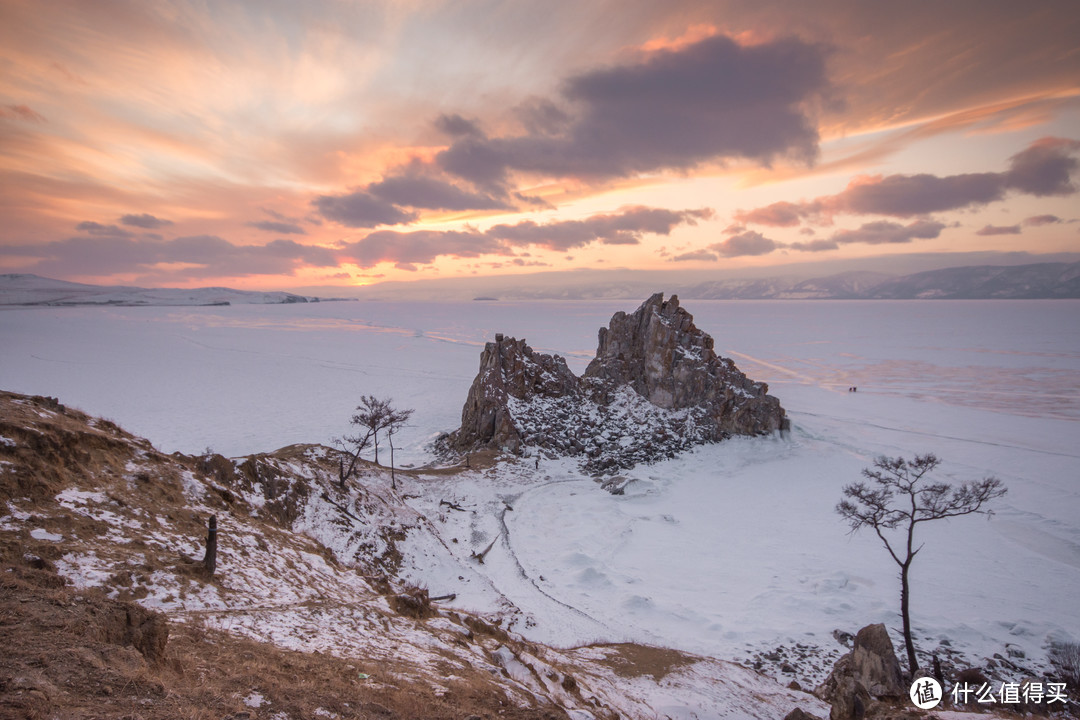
{"points": [[75, 654], [633, 660], [65, 658]]}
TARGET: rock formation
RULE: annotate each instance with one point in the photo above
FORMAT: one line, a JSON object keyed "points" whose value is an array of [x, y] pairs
{"points": [[654, 388], [870, 671]]}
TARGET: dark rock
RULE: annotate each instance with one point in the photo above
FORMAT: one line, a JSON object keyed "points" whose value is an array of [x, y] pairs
{"points": [[876, 663], [659, 352], [800, 714], [869, 671], [654, 388]]}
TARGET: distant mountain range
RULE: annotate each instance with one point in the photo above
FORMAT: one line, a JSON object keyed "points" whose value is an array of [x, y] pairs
{"points": [[978, 282], [983, 282], [26, 289]]}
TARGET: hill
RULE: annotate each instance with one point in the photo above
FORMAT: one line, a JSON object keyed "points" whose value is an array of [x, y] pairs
{"points": [[26, 289], [313, 610]]}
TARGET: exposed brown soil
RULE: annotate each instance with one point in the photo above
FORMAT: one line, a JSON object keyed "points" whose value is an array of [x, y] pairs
{"points": [[634, 660]]}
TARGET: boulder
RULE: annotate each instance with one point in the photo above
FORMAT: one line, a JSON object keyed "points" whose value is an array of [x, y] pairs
{"points": [[875, 663], [870, 671]]}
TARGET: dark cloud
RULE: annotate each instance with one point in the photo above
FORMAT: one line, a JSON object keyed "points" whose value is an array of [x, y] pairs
{"points": [[21, 112], [624, 228], [676, 109], [430, 193], [457, 126], [999, 230], [807, 231], [540, 116], [747, 243], [274, 226], [361, 209], [424, 246], [910, 195], [145, 221], [734, 229], [1044, 168], [779, 214], [814, 245], [884, 232], [695, 255], [1043, 220], [94, 228], [420, 246]]}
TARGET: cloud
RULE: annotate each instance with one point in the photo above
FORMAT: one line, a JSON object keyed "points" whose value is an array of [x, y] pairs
{"points": [[457, 126], [884, 232], [695, 255], [21, 112], [430, 193], [204, 256], [94, 228], [1042, 220], [814, 245], [360, 209], [145, 221], [420, 246], [423, 246], [675, 109], [623, 228], [910, 195], [779, 214], [999, 230], [275, 226], [1044, 168], [747, 243]]}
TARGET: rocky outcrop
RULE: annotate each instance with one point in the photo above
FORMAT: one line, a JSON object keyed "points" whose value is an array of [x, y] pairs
{"points": [[510, 369], [655, 387], [659, 352], [870, 671]]}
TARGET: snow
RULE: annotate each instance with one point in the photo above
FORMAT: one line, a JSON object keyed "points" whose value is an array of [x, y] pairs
{"points": [[254, 699], [732, 550], [43, 534]]}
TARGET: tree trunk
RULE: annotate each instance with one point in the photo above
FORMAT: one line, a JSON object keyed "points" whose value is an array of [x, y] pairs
{"points": [[905, 612], [393, 480], [210, 559]]}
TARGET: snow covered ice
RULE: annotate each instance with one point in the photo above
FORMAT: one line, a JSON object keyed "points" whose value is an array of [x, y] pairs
{"points": [[731, 550]]}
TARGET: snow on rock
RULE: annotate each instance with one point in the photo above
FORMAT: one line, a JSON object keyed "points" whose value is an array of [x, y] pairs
{"points": [[655, 387]]}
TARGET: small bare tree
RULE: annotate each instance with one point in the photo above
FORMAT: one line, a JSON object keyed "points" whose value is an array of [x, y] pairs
{"points": [[395, 420], [352, 445], [899, 499], [372, 417]]}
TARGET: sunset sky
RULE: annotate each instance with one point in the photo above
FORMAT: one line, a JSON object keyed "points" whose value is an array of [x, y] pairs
{"points": [[278, 144]]}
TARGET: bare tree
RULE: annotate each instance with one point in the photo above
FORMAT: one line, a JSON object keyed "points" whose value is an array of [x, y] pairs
{"points": [[371, 414], [352, 445], [899, 499], [395, 420], [372, 417]]}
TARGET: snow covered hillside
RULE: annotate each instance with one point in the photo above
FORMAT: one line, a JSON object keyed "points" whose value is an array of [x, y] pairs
{"points": [[308, 564], [733, 551]]}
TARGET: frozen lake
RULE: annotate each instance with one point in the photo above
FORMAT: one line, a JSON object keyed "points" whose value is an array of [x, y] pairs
{"points": [[250, 378], [722, 551]]}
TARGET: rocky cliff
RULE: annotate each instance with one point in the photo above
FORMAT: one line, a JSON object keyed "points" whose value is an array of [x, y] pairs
{"points": [[655, 387]]}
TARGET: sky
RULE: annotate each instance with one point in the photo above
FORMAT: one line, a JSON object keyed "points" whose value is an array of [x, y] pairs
{"points": [[271, 144]]}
